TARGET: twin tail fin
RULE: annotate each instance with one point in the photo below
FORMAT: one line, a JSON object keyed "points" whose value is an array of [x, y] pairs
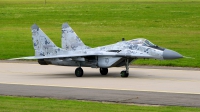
{"points": [[42, 44], [70, 40]]}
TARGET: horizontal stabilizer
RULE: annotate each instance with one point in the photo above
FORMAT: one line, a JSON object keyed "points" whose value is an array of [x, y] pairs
{"points": [[25, 58]]}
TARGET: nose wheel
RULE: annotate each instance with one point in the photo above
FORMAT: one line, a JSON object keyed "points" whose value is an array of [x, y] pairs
{"points": [[79, 72], [125, 73], [103, 71]]}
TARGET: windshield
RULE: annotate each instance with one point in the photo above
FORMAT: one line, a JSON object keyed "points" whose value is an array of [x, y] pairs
{"points": [[142, 41], [148, 43]]}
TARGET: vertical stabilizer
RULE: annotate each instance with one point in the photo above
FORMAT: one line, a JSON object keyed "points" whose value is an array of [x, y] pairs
{"points": [[42, 44], [70, 41]]}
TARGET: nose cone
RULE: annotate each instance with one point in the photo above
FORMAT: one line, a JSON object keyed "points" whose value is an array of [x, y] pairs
{"points": [[169, 54]]}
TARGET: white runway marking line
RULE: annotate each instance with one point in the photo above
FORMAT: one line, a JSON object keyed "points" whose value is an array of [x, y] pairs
{"points": [[98, 88]]}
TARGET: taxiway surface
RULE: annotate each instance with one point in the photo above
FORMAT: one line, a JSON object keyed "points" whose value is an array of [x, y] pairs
{"points": [[143, 86]]}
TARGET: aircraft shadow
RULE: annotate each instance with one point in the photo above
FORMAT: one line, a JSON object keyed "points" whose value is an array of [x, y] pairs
{"points": [[132, 75], [85, 75]]}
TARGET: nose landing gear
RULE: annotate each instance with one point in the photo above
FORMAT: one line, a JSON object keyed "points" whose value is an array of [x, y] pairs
{"points": [[124, 73]]}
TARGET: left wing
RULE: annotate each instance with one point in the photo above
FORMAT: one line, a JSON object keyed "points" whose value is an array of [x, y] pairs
{"points": [[102, 53]]}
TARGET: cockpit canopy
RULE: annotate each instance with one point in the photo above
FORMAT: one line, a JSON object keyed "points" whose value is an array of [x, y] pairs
{"points": [[142, 41]]}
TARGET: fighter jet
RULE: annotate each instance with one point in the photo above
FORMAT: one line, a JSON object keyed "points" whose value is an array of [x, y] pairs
{"points": [[75, 53]]}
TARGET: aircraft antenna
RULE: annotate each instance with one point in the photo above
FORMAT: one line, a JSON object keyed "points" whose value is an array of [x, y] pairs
{"points": [[188, 57]]}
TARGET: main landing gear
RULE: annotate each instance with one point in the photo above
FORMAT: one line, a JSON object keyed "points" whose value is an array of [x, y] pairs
{"points": [[103, 71], [79, 72], [125, 73]]}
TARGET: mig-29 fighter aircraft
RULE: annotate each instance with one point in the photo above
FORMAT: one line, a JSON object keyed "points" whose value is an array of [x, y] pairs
{"points": [[75, 53]]}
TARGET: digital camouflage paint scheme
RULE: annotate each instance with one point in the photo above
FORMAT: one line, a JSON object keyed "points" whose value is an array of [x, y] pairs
{"points": [[75, 53]]}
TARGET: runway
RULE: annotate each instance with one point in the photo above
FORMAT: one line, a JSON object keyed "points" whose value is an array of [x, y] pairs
{"points": [[146, 85]]}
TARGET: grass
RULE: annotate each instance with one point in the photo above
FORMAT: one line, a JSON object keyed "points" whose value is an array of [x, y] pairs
{"points": [[172, 24], [24, 104]]}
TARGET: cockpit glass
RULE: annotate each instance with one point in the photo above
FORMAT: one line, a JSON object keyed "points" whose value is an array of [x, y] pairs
{"points": [[142, 41], [148, 43]]}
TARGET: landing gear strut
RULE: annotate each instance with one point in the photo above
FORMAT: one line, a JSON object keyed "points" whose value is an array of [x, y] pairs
{"points": [[79, 72], [125, 73], [103, 71]]}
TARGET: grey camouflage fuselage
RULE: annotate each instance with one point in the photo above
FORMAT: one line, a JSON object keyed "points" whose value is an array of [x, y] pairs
{"points": [[75, 53]]}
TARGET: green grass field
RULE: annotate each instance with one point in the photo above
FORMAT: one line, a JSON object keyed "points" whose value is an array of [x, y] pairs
{"points": [[23, 104], [173, 24]]}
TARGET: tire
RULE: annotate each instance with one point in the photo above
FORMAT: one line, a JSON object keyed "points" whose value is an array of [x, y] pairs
{"points": [[79, 72], [103, 71], [124, 74]]}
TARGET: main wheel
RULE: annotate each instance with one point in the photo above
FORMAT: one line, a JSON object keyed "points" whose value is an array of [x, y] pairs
{"points": [[103, 71], [124, 74], [79, 72]]}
